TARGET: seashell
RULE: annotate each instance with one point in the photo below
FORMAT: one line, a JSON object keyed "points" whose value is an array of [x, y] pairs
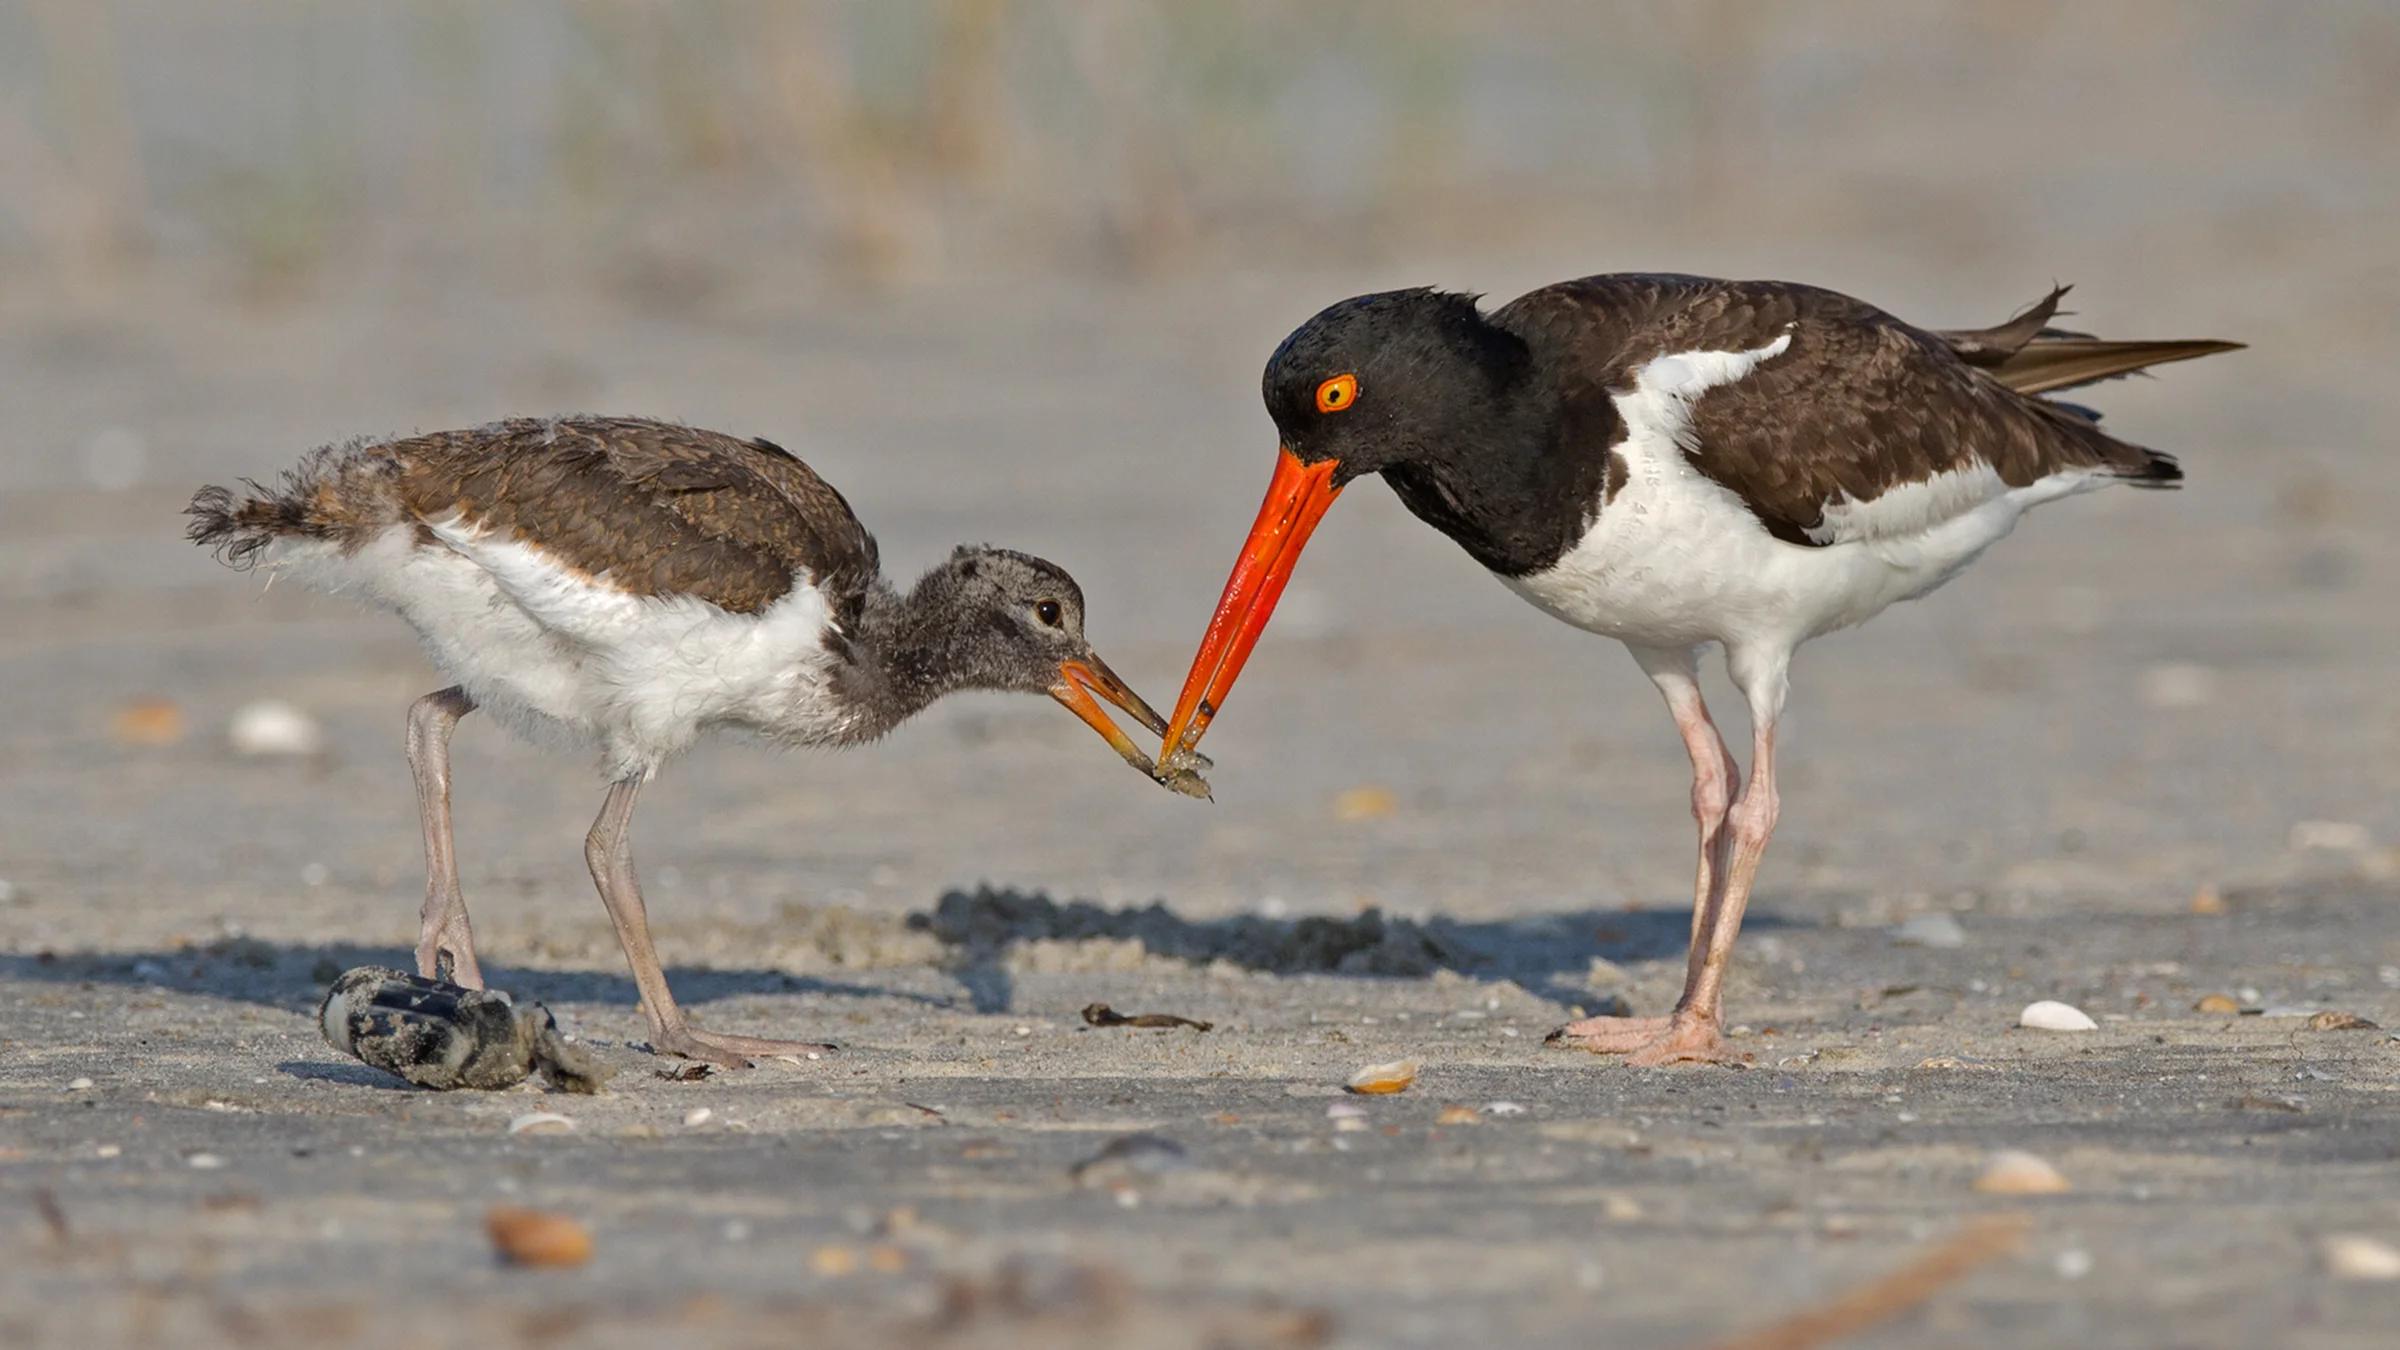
{"points": [[2049, 1015], [1377, 1080], [530, 1237], [2016, 1172]]}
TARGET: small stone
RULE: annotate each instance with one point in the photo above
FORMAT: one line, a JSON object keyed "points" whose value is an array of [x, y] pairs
{"points": [[1459, 1115], [147, 721], [1378, 1080], [1953, 1062], [885, 1259], [2177, 686], [531, 1237], [2050, 1015], [1367, 802], [2341, 836], [79, 1085], [2072, 1264], [541, 1122], [2208, 900], [107, 1151], [270, 727], [1939, 931], [2334, 1019], [1620, 1208], [1503, 1109], [697, 1116], [2218, 1003], [2356, 1256], [204, 1162], [2016, 1172], [1129, 1156]]}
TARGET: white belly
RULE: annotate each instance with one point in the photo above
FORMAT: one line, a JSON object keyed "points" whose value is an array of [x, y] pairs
{"points": [[1677, 560], [561, 656]]}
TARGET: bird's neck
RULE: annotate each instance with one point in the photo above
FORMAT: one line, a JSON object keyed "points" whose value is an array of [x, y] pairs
{"points": [[1515, 487], [903, 656]]}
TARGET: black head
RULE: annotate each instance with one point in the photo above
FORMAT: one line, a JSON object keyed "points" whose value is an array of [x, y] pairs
{"points": [[1384, 379]]}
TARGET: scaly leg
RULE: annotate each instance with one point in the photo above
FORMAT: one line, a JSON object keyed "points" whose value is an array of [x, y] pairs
{"points": [[443, 938], [608, 849], [1714, 779], [1696, 1029]]}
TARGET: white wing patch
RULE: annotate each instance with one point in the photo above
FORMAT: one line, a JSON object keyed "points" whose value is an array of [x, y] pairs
{"points": [[1908, 508]]}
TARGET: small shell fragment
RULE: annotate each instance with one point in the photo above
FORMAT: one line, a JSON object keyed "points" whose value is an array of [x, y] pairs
{"points": [[2016, 1172], [273, 728], [1503, 1109], [541, 1122], [2356, 1256], [530, 1237], [1378, 1080], [1459, 1115], [2218, 1003], [2049, 1015], [2334, 1019], [696, 1117]]}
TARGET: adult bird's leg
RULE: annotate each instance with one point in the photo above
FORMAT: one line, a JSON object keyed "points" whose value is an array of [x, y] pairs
{"points": [[443, 938], [1714, 779], [1695, 1031], [609, 851]]}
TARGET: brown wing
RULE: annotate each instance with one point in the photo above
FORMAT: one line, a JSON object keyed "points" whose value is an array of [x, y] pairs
{"points": [[1855, 405], [651, 507]]}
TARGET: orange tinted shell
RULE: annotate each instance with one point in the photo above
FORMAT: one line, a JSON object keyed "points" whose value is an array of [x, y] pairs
{"points": [[1337, 393]]}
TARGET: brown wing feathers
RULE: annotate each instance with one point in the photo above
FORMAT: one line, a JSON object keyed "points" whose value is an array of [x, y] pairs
{"points": [[653, 508]]}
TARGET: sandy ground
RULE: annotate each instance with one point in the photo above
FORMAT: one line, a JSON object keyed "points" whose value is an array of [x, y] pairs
{"points": [[2142, 754]]}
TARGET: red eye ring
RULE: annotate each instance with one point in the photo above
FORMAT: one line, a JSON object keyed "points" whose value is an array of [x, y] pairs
{"points": [[1337, 394]]}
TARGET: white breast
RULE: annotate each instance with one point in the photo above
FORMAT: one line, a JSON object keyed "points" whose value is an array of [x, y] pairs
{"points": [[558, 653], [1677, 560]]}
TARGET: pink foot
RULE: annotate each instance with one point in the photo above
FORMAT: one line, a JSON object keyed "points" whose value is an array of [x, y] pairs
{"points": [[1686, 1040], [1609, 1035]]}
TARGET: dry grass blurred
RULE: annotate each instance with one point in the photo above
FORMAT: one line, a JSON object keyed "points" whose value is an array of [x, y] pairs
{"points": [[896, 140]]}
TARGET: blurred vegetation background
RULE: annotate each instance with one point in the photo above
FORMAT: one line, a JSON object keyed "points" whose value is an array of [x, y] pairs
{"points": [[662, 148]]}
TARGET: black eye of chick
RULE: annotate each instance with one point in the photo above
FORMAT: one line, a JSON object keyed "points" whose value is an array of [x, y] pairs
{"points": [[1047, 612]]}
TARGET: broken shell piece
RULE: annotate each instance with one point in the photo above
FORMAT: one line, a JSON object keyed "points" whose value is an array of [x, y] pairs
{"points": [[2333, 1019], [1378, 1080], [2049, 1015], [2016, 1172], [272, 727], [2355, 1256], [541, 1122], [1459, 1115], [696, 1117], [2218, 1003], [529, 1237]]}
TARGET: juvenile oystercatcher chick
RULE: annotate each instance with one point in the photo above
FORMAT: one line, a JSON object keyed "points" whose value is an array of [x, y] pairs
{"points": [[630, 584], [1675, 461]]}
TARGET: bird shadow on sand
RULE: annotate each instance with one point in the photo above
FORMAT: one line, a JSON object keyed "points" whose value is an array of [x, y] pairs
{"points": [[974, 937], [1550, 954], [294, 976]]}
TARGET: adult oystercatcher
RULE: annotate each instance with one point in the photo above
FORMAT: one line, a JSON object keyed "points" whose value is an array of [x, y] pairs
{"points": [[631, 584], [1674, 461]]}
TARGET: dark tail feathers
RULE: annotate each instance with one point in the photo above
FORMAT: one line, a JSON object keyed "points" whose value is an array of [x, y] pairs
{"points": [[2029, 356], [237, 528]]}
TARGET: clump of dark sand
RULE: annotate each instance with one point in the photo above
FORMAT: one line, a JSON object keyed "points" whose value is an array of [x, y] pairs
{"points": [[986, 921]]}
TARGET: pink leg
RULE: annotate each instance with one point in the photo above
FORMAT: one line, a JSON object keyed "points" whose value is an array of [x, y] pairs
{"points": [[1696, 1029], [445, 944], [1714, 779]]}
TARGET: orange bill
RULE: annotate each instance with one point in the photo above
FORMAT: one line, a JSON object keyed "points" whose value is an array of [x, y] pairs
{"points": [[1296, 500], [1080, 679]]}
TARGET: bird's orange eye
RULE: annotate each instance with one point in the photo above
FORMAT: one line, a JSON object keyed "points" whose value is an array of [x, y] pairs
{"points": [[1337, 393]]}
